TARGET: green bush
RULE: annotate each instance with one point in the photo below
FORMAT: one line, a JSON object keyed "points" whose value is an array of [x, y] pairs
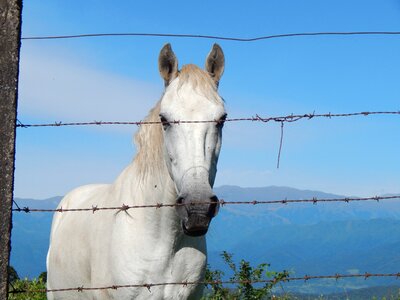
{"points": [[245, 275], [19, 289]]}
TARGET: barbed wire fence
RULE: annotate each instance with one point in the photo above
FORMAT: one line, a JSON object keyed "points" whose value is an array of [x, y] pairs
{"points": [[280, 119]]}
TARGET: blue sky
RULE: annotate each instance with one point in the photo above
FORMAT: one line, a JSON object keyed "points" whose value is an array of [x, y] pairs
{"points": [[116, 78]]}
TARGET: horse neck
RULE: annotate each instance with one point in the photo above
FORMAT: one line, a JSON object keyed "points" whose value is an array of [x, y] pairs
{"points": [[135, 188], [155, 186], [146, 181], [148, 176]]}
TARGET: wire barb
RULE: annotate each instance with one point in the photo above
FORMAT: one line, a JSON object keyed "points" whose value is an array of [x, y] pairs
{"points": [[94, 208]]}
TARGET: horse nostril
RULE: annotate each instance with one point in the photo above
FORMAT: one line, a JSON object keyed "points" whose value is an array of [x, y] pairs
{"points": [[214, 207], [179, 201], [214, 199]]}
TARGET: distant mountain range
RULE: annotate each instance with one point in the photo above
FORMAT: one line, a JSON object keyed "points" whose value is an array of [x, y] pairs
{"points": [[304, 238], [30, 237]]}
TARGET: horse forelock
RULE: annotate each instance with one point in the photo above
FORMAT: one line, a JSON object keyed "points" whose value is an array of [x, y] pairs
{"points": [[200, 80]]}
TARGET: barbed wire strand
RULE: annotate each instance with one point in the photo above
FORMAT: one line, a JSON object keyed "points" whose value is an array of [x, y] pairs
{"points": [[289, 118], [222, 202], [213, 37], [186, 283]]}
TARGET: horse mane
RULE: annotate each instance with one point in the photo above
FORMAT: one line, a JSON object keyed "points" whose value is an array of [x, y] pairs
{"points": [[149, 138], [149, 141]]}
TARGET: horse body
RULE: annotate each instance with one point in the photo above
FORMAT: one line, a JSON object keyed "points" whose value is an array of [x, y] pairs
{"points": [[176, 163], [109, 248]]}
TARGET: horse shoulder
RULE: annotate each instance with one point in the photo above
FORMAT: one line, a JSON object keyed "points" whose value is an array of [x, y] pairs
{"points": [[69, 256], [79, 197]]}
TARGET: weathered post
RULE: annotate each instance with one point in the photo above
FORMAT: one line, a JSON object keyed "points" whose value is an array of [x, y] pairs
{"points": [[10, 36]]}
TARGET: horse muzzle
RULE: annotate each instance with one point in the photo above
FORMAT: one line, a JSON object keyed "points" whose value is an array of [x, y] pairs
{"points": [[196, 225], [196, 215]]}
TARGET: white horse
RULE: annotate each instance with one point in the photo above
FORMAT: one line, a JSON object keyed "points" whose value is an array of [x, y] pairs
{"points": [[175, 163]]}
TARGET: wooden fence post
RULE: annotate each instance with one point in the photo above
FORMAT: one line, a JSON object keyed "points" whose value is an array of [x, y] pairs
{"points": [[10, 37]]}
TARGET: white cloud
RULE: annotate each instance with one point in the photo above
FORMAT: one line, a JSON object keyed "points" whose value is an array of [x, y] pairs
{"points": [[56, 86], [68, 89]]}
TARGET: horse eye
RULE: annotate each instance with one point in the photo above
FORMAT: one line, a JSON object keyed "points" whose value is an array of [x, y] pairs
{"points": [[164, 122], [221, 121]]}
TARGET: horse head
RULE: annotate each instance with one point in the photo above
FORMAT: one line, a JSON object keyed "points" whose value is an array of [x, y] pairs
{"points": [[191, 150]]}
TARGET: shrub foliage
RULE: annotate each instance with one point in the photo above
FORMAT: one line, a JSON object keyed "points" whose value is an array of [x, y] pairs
{"points": [[245, 275]]}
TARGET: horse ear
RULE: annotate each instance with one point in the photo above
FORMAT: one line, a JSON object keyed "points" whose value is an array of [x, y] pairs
{"points": [[215, 63], [167, 64]]}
